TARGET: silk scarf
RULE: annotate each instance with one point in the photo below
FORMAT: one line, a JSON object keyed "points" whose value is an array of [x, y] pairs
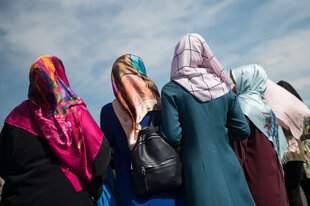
{"points": [[290, 111], [54, 112], [195, 68], [251, 83], [135, 94]]}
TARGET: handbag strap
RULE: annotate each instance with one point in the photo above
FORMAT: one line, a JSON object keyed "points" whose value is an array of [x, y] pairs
{"points": [[153, 116], [155, 129]]}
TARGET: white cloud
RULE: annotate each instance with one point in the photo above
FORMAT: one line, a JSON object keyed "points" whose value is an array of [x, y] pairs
{"points": [[302, 82], [83, 34], [285, 55], [284, 58]]}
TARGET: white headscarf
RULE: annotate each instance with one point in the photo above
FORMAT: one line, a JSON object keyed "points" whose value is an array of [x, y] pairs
{"points": [[196, 69]]}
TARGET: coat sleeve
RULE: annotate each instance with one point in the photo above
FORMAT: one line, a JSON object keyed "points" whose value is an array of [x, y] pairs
{"points": [[100, 169], [170, 127], [7, 149], [3, 148], [238, 127]]}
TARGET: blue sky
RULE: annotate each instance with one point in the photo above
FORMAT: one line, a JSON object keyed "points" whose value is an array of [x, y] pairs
{"points": [[90, 35]]}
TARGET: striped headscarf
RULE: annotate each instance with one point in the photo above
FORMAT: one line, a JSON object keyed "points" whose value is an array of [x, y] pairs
{"points": [[135, 94], [195, 68], [54, 112], [251, 83]]}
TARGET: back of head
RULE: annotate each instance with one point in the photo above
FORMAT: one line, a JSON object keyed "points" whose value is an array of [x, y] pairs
{"points": [[289, 88], [250, 78], [60, 117], [196, 69], [289, 109], [135, 94]]}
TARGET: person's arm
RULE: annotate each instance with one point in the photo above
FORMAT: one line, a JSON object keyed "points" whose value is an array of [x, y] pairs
{"points": [[102, 158], [170, 127], [106, 123], [3, 148], [238, 127], [100, 169]]}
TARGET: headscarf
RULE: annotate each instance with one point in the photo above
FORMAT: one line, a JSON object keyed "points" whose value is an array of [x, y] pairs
{"points": [[54, 112], [291, 112], [135, 95], [251, 83], [289, 88], [195, 68]]}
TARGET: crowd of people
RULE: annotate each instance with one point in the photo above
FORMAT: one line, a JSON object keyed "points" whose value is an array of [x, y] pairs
{"points": [[242, 138]]}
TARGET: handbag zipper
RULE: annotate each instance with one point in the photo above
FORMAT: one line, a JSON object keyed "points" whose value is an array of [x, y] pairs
{"points": [[144, 177]]}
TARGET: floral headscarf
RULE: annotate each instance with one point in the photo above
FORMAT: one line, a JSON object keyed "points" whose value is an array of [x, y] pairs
{"points": [[251, 83], [135, 94], [195, 68], [54, 112]]}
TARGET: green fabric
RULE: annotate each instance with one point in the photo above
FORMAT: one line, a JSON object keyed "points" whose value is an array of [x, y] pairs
{"points": [[306, 146], [213, 175], [295, 150]]}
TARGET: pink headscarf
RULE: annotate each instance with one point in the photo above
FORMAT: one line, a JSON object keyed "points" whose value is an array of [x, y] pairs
{"points": [[290, 111], [195, 68], [54, 112]]}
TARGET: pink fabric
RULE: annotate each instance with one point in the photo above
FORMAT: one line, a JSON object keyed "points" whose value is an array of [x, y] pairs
{"points": [[290, 111], [71, 132], [20, 117], [60, 69], [195, 68]]}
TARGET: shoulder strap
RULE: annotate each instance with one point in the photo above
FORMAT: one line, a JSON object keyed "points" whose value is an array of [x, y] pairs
{"points": [[153, 116]]}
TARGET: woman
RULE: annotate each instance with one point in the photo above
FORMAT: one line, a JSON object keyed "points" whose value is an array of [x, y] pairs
{"points": [[52, 151], [259, 155], [136, 98], [292, 114], [200, 114]]}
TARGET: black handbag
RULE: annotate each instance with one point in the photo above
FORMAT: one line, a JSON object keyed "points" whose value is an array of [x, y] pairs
{"points": [[155, 165]]}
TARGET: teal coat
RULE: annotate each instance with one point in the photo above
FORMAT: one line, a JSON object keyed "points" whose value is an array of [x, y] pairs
{"points": [[212, 173]]}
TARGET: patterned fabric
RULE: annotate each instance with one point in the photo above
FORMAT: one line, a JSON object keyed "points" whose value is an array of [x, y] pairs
{"points": [[251, 83], [290, 111], [295, 149], [53, 111], [195, 68], [306, 146], [306, 131], [135, 94]]}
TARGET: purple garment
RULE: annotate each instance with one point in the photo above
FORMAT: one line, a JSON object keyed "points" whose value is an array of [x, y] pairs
{"points": [[261, 168]]}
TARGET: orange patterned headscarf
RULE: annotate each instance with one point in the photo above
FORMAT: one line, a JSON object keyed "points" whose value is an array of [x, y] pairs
{"points": [[135, 94]]}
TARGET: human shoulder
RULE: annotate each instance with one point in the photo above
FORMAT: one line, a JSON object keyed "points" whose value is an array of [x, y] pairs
{"points": [[107, 108], [171, 85], [232, 97], [108, 118], [171, 89]]}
